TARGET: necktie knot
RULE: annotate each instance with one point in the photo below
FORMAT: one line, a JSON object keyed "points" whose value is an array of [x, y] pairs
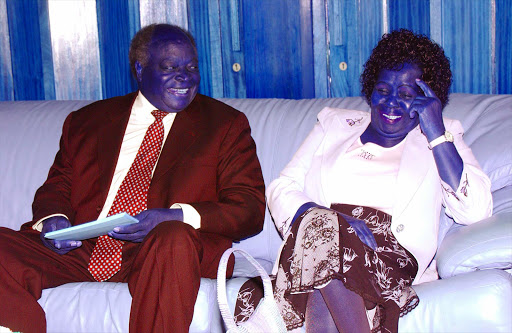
{"points": [[159, 115]]}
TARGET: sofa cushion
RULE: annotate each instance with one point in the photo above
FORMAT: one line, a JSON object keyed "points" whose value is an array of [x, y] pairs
{"points": [[105, 307]]}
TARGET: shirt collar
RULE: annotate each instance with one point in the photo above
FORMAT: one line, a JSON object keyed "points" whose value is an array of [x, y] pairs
{"points": [[142, 108]]}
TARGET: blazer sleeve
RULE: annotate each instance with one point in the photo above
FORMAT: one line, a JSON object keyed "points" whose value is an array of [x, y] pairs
{"points": [[240, 209], [472, 200], [286, 193]]}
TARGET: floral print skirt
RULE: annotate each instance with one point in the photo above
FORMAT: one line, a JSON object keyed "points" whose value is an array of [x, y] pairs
{"points": [[322, 246]]}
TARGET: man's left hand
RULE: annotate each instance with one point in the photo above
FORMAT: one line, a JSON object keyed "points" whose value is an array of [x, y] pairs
{"points": [[148, 219]]}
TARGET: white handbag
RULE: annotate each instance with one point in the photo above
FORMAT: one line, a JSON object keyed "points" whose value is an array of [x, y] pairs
{"points": [[265, 318]]}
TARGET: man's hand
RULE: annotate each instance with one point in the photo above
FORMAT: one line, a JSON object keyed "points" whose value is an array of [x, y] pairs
{"points": [[148, 219], [59, 246]]}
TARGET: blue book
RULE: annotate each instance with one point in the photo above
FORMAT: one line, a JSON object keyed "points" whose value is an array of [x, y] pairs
{"points": [[92, 229]]}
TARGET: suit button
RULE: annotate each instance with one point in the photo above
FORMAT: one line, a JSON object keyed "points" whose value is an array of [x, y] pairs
{"points": [[98, 209], [400, 228]]}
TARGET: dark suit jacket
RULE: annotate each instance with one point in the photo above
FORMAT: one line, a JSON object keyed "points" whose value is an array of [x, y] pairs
{"points": [[208, 161]]}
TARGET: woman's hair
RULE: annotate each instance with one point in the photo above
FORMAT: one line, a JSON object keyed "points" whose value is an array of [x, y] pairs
{"points": [[139, 46], [401, 46]]}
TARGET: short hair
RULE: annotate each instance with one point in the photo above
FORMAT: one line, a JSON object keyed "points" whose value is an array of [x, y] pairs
{"points": [[139, 46], [401, 46]]}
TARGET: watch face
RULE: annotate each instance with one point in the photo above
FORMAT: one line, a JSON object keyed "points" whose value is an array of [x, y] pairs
{"points": [[448, 136]]}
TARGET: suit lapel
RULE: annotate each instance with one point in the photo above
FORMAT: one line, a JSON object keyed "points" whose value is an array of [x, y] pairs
{"points": [[110, 137], [182, 135]]}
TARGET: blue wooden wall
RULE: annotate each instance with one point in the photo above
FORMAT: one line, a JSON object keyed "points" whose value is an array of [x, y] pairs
{"points": [[55, 49]]}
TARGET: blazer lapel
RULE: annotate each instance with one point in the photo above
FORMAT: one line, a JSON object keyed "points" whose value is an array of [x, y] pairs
{"points": [[344, 130], [414, 165]]}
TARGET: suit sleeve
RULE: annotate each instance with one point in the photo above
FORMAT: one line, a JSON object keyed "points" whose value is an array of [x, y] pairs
{"points": [[240, 209], [53, 197], [472, 200]]}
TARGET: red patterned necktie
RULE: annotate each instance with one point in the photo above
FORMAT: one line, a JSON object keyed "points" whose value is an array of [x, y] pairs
{"points": [[131, 198]]}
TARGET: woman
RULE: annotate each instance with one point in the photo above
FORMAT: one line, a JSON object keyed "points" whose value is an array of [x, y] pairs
{"points": [[359, 203]]}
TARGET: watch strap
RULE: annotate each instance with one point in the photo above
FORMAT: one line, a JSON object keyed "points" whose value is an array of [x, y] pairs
{"points": [[446, 137]]}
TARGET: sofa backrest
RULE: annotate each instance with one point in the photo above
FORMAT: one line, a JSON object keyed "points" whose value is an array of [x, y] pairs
{"points": [[29, 138], [30, 132]]}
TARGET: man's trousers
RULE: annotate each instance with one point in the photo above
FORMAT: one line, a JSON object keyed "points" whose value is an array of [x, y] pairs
{"points": [[163, 275]]}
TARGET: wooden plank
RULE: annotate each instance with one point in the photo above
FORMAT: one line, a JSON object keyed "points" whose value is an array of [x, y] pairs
{"points": [[25, 44], [362, 28], [466, 41], [114, 44], [320, 49], [199, 27], [307, 67], [175, 12], [75, 49], [412, 15], [504, 46], [275, 49], [6, 84], [232, 56], [46, 50]]}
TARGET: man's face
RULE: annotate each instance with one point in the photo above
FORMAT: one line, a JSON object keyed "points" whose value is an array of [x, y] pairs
{"points": [[170, 79]]}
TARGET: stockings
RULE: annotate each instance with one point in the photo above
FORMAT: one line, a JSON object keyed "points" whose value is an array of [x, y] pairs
{"points": [[334, 308]]}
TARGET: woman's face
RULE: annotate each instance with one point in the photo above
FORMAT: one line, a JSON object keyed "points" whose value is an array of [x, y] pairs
{"points": [[391, 99]]}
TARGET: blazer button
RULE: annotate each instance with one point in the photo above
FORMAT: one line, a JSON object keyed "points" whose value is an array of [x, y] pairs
{"points": [[98, 209], [400, 228]]}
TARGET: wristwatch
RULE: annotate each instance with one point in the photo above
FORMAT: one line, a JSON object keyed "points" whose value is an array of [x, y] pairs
{"points": [[446, 137]]}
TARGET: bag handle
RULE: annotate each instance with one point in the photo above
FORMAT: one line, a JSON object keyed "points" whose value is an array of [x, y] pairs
{"points": [[221, 284]]}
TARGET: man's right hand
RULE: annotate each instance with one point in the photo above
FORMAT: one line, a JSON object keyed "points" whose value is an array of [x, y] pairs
{"points": [[59, 246]]}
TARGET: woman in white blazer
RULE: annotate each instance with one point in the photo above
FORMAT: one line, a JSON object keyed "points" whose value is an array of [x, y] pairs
{"points": [[359, 203]]}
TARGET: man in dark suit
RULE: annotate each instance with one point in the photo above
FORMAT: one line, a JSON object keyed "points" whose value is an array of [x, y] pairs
{"points": [[205, 191]]}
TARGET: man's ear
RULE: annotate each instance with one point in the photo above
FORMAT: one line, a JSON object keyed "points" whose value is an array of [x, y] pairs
{"points": [[138, 71]]}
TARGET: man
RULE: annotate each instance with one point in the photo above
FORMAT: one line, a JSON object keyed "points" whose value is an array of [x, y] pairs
{"points": [[205, 191]]}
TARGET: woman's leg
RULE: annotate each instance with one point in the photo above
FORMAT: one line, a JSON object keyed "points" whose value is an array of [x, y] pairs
{"points": [[318, 317], [346, 307]]}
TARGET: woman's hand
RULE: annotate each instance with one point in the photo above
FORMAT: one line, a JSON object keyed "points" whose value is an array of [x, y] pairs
{"points": [[361, 229], [430, 112]]}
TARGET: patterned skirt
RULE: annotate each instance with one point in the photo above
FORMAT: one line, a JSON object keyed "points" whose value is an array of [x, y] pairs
{"points": [[322, 246]]}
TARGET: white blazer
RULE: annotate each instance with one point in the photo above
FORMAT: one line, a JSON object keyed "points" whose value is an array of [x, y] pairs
{"points": [[416, 212]]}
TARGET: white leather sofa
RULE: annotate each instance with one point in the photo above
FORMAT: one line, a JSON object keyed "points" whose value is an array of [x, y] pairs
{"points": [[474, 293]]}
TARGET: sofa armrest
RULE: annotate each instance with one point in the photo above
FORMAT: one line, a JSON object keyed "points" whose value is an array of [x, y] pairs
{"points": [[483, 245], [475, 302]]}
